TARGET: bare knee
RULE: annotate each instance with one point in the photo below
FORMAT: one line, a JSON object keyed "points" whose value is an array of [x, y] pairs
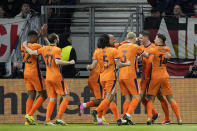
{"points": [[32, 94], [170, 98]]}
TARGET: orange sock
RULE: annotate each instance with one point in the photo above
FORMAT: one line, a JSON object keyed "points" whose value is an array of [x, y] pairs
{"points": [[164, 105], [125, 106], [114, 109], [29, 104], [149, 109], [104, 104], [133, 104], [105, 110], [62, 108], [50, 108], [175, 108], [89, 104], [36, 105], [100, 114], [144, 102]]}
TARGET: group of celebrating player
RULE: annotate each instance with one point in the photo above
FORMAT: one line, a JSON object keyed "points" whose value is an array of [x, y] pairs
{"points": [[111, 62]]}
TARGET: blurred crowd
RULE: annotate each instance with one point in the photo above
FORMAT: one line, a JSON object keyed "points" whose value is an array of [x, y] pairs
{"points": [[175, 8]]}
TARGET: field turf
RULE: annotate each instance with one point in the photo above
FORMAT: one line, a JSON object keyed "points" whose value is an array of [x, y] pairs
{"points": [[91, 127]]}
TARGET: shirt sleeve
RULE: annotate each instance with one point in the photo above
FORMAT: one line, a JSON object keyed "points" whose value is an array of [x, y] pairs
{"points": [[140, 50], [40, 51], [58, 54], [95, 55], [37, 46]]}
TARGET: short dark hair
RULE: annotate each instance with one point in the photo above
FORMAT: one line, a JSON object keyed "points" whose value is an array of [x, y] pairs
{"points": [[103, 41], [146, 33], [52, 37], [162, 37], [32, 33], [154, 10]]}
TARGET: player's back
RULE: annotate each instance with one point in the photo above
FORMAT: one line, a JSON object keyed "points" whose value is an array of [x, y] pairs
{"points": [[50, 53], [31, 61], [159, 61], [106, 59], [129, 52]]}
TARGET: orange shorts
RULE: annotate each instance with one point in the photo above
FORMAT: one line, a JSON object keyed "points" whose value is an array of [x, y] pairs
{"points": [[96, 89], [35, 83], [129, 87], [53, 88], [162, 84], [109, 86]]}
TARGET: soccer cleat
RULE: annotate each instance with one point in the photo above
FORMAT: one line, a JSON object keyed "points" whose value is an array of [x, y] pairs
{"points": [[104, 120], [154, 118], [179, 122], [94, 115], [81, 109], [149, 122], [119, 122], [49, 124], [30, 119], [27, 123], [128, 120], [101, 123], [165, 122], [60, 122]]}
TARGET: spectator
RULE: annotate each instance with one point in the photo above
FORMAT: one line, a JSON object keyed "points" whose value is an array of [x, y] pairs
{"points": [[155, 13], [192, 73], [35, 5], [178, 11], [12, 7], [2, 12], [68, 53], [186, 5], [25, 10], [195, 10]]}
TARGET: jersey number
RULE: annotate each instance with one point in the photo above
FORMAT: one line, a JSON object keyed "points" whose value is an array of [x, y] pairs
{"points": [[106, 62], [162, 61], [49, 59], [26, 59], [124, 56]]}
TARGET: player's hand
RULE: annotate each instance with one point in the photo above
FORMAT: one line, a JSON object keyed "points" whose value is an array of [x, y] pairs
{"points": [[72, 62], [128, 63], [88, 67], [25, 43]]}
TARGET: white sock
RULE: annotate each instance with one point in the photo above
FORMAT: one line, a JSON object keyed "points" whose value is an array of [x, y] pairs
{"points": [[128, 115], [99, 120], [84, 105]]}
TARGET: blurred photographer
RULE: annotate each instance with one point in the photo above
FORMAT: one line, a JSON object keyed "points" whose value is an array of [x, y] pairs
{"points": [[192, 73]]}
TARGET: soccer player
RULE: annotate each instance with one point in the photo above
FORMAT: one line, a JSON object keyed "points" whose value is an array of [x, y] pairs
{"points": [[54, 80], [33, 78], [159, 79], [127, 75], [107, 58], [147, 45]]}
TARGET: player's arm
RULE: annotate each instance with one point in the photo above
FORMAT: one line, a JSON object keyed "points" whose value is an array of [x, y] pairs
{"points": [[92, 66], [167, 56], [43, 33], [145, 54], [30, 51], [61, 62], [120, 64], [148, 65]]}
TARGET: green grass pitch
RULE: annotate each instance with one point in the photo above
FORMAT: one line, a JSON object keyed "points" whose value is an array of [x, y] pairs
{"points": [[91, 127]]}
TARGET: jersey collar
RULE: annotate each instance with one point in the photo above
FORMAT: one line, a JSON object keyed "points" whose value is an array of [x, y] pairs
{"points": [[148, 45]]}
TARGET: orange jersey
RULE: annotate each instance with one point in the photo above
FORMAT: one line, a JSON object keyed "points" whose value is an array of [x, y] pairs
{"points": [[50, 53], [144, 59], [116, 45], [129, 52], [31, 61], [94, 74], [106, 59], [158, 60]]}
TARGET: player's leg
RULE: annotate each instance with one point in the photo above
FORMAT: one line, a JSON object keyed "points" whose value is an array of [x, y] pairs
{"points": [[149, 107], [42, 95], [62, 89], [50, 87], [167, 91], [164, 105], [134, 90]]}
